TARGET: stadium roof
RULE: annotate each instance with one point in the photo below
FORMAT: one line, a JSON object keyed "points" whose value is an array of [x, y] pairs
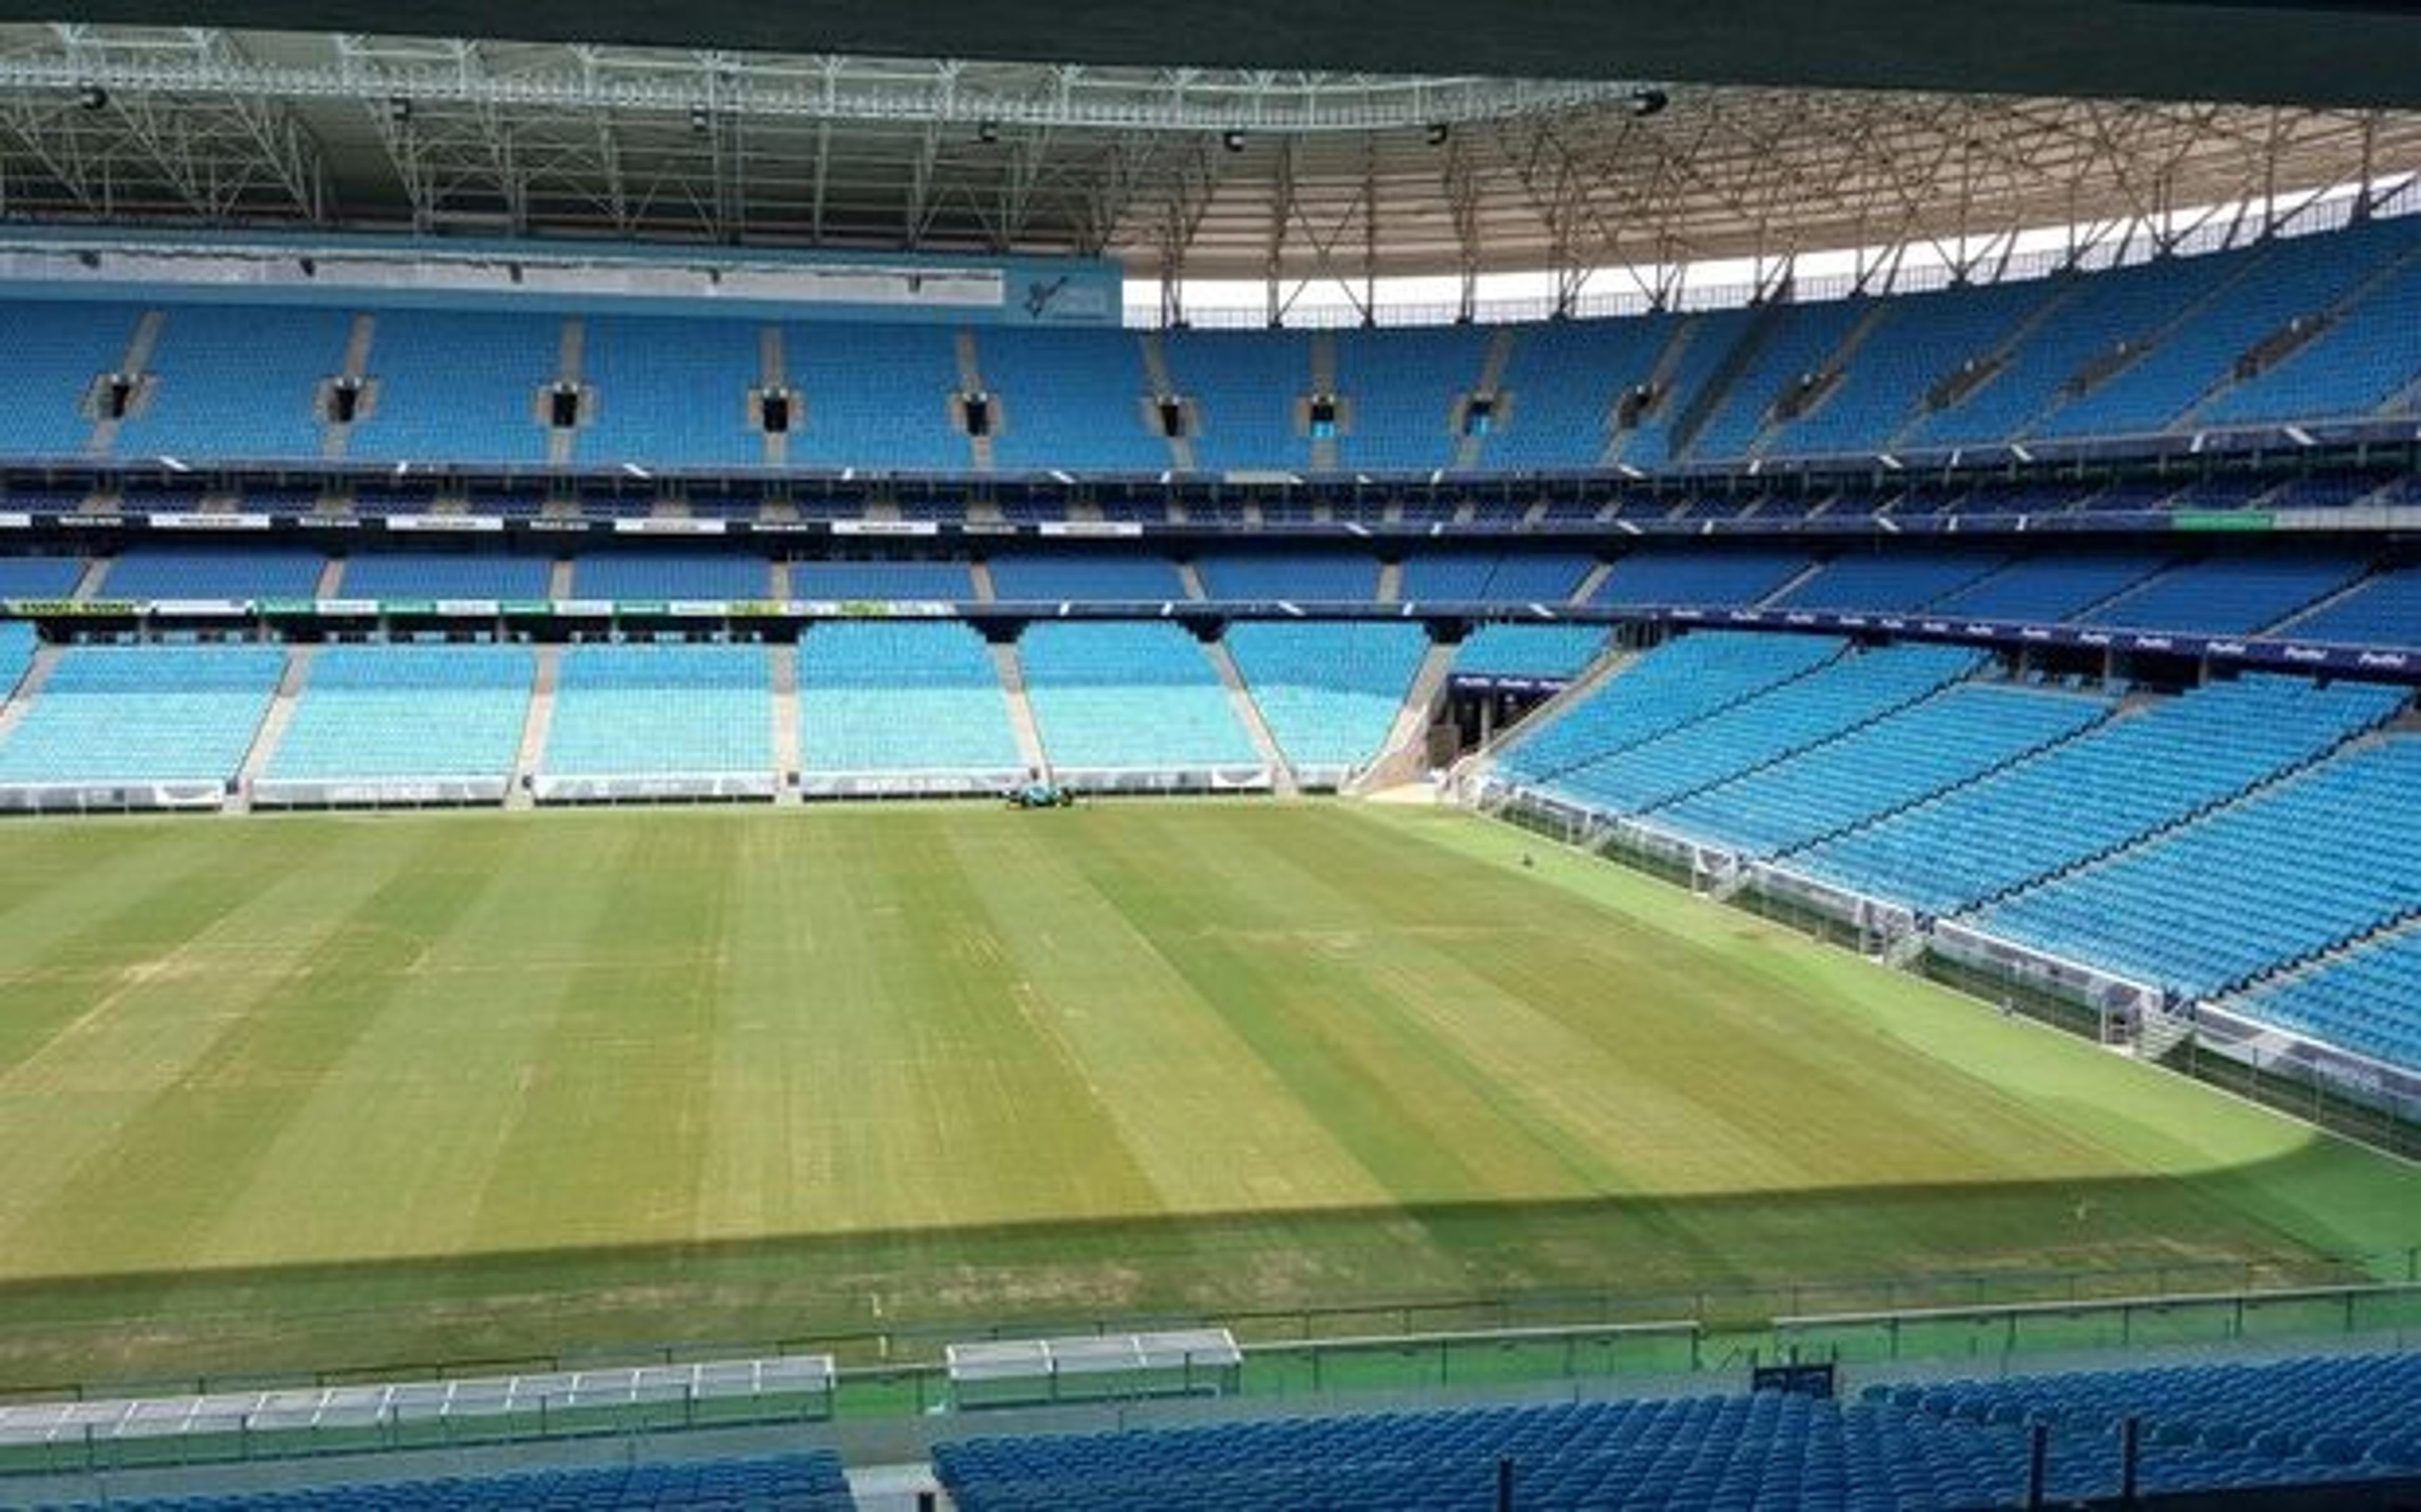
{"points": [[1203, 173]]}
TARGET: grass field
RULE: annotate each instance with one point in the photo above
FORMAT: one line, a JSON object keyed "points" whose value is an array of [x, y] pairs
{"points": [[313, 1092]]}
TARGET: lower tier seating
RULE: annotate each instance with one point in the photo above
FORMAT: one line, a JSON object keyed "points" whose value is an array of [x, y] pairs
{"points": [[1330, 692], [1545, 651], [891, 695], [408, 712], [804, 1482], [2295, 1424], [2333, 852], [1950, 739], [1111, 696], [144, 714], [1684, 681], [1844, 693], [2367, 1000], [624, 710], [2106, 789]]}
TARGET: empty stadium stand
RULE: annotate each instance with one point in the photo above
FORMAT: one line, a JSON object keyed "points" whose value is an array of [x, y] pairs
{"points": [[143, 714], [803, 1480], [2109, 787], [1543, 651], [670, 575], [1053, 577], [1329, 692], [214, 573], [1295, 577], [650, 710], [38, 577], [895, 697], [2362, 999], [1476, 576], [886, 578], [2226, 596], [2301, 1422], [1128, 697], [407, 711], [435, 575], [1667, 575], [1684, 682]]}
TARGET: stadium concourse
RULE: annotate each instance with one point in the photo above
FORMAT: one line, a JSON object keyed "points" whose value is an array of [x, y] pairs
{"points": [[1890, 622]]}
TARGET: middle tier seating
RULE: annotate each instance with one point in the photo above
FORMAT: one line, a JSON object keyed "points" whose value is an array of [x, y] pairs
{"points": [[1544, 651], [1293, 577], [670, 575], [1057, 577], [212, 572]]}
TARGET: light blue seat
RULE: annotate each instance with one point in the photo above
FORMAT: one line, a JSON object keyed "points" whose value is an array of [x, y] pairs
{"points": [[398, 711], [1129, 697], [692, 710], [1550, 653], [144, 714], [1329, 692], [886, 696]]}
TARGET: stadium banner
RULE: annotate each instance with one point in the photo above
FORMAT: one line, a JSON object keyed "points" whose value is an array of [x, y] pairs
{"points": [[651, 526], [13, 519], [527, 608], [650, 788], [1111, 529], [1504, 682], [424, 525], [117, 798], [384, 792], [2252, 522], [762, 609], [195, 520], [455, 608], [641, 609], [1163, 780], [72, 608], [698, 609], [907, 784], [582, 609], [886, 527], [201, 608], [292, 608], [89, 522]]}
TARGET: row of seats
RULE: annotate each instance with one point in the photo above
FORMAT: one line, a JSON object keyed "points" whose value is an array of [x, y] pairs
{"points": [[2139, 349], [808, 1480], [1329, 692], [2301, 1422], [1681, 683], [2288, 872]]}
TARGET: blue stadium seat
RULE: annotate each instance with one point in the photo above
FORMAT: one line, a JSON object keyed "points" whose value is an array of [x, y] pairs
{"points": [[1330, 692], [1129, 697], [897, 696]]}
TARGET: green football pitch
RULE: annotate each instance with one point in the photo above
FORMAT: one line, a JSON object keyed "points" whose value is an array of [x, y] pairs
{"points": [[317, 1092]]}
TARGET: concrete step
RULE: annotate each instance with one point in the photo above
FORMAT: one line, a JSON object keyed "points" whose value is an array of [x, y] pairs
{"points": [[1021, 724], [46, 661], [536, 722], [272, 725], [1248, 715], [1405, 757], [786, 723]]}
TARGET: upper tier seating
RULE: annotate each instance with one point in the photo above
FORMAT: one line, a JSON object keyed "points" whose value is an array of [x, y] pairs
{"points": [[2332, 853], [1070, 398], [214, 573], [56, 351], [1546, 651], [1803, 339], [2049, 588], [2103, 790], [2385, 611], [670, 392], [458, 385], [1912, 1448], [2367, 1001], [893, 695], [2226, 596], [913, 581], [806, 1481], [624, 710], [236, 382], [1890, 582], [444, 575], [2285, 282], [144, 714], [1056, 577], [2088, 316], [1917, 341], [39, 577], [1329, 692], [1296, 577], [1666, 575], [1706, 338], [874, 396], [1402, 384], [1133, 696], [662, 575], [1681, 681], [1245, 386], [1561, 388], [408, 712], [1927, 748], [1838, 696], [2365, 358], [1471, 576]]}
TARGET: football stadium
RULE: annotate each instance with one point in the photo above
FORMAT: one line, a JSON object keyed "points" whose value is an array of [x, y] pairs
{"points": [[1065, 760]]}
